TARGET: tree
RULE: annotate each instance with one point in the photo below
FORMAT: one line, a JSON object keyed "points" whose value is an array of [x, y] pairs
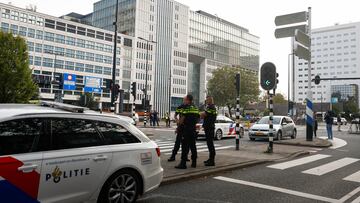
{"points": [[279, 99], [16, 84], [351, 106], [222, 87], [87, 100]]}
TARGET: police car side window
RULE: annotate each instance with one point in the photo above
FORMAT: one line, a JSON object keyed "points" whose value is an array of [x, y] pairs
{"points": [[115, 134], [20, 136], [70, 133]]}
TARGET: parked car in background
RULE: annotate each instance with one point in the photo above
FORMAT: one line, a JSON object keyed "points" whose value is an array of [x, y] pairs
{"points": [[224, 127], [283, 127]]}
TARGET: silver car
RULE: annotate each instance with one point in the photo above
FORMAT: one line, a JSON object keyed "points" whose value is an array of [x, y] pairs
{"points": [[283, 127]]}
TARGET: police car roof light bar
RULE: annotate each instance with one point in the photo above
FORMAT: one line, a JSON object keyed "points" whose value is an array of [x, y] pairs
{"points": [[62, 106]]}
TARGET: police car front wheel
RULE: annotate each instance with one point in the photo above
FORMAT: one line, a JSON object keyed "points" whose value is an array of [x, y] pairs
{"points": [[218, 134], [123, 186]]}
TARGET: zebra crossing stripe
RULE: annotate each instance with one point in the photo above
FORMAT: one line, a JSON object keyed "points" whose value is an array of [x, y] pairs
{"points": [[169, 150], [199, 149], [332, 166], [297, 162], [353, 177]]}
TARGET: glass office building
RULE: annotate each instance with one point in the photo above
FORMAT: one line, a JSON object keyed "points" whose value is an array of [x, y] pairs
{"points": [[215, 42]]}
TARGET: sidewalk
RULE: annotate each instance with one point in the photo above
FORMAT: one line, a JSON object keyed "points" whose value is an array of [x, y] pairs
{"points": [[229, 160]]}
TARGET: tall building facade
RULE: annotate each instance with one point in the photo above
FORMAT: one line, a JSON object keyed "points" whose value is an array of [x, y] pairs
{"points": [[335, 54], [166, 23], [57, 46], [213, 43]]}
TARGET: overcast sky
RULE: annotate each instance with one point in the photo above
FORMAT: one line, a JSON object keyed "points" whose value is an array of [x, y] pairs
{"points": [[256, 15]]}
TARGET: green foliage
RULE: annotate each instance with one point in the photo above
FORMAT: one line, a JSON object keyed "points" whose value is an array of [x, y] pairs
{"points": [[87, 100], [16, 84], [222, 87], [279, 99]]}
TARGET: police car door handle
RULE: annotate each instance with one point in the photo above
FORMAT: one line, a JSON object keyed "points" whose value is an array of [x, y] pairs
{"points": [[100, 158], [27, 168]]}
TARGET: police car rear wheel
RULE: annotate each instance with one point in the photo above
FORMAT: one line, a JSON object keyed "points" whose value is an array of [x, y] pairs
{"points": [[218, 135], [122, 187]]}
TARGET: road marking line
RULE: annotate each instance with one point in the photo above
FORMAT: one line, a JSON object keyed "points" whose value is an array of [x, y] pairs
{"points": [[277, 189], [317, 149], [353, 177], [172, 145], [312, 151], [202, 150], [169, 150], [350, 194], [297, 162], [332, 166]]}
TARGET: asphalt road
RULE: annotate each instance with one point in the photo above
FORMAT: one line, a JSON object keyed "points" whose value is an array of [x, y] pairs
{"points": [[319, 180]]}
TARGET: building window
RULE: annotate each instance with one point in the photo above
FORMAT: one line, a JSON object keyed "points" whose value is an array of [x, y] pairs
{"points": [[49, 36], [98, 69], [69, 65], [79, 67], [31, 33], [5, 27], [60, 39], [89, 68], [70, 41]]}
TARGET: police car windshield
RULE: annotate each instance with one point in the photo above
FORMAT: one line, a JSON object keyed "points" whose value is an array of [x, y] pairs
{"points": [[265, 120]]}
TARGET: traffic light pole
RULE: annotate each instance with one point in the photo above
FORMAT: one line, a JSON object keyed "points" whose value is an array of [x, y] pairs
{"points": [[238, 111], [271, 126], [114, 56], [309, 104]]}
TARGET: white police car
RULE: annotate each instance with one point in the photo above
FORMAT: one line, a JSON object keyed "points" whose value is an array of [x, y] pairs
{"points": [[224, 127], [54, 155]]}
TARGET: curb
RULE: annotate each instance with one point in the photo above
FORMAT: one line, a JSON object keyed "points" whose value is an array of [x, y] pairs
{"points": [[304, 145], [207, 172]]}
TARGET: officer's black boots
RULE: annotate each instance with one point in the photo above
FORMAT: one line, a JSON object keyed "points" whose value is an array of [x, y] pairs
{"points": [[171, 159], [182, 165], [209, 162], [193, 163]]}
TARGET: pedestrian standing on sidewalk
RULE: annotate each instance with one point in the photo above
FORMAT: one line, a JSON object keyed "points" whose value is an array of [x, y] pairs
{"points": [[167, 119], [329, 122], [187, 128], [209, 116], [155, 118], [339, 122], [315, 124]]}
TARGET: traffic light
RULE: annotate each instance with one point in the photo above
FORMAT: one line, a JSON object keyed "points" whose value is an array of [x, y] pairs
{"points": [[237, 82], [133, 89], [108, 84], [317, 80], [268, 77], [116, 91]]}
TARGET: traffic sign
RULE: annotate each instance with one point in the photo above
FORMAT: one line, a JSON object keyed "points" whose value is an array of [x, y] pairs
{"points": [[291, 18], [302, 38], [92, 84], [69, 81], [268, 76], [302, 52], [289, 31]]}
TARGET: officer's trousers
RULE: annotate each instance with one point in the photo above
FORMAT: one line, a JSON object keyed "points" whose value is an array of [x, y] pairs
{"points": [[176, 145], [209, 135], [188, 143]]}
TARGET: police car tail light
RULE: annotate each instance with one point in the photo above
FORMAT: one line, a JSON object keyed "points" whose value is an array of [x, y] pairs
{"points": [[158, 151]]}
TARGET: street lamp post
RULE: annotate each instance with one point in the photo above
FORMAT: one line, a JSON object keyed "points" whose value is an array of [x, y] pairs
{"points": [[146, 75]]}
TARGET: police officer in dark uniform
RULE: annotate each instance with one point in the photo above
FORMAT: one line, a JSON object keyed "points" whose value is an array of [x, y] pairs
{"points": [[178, 135], [209, 116], [189, 117]]}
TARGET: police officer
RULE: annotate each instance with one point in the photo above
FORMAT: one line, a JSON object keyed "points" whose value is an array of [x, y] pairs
{"points": [[209, 116], [189, 117], [178, 135]]}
